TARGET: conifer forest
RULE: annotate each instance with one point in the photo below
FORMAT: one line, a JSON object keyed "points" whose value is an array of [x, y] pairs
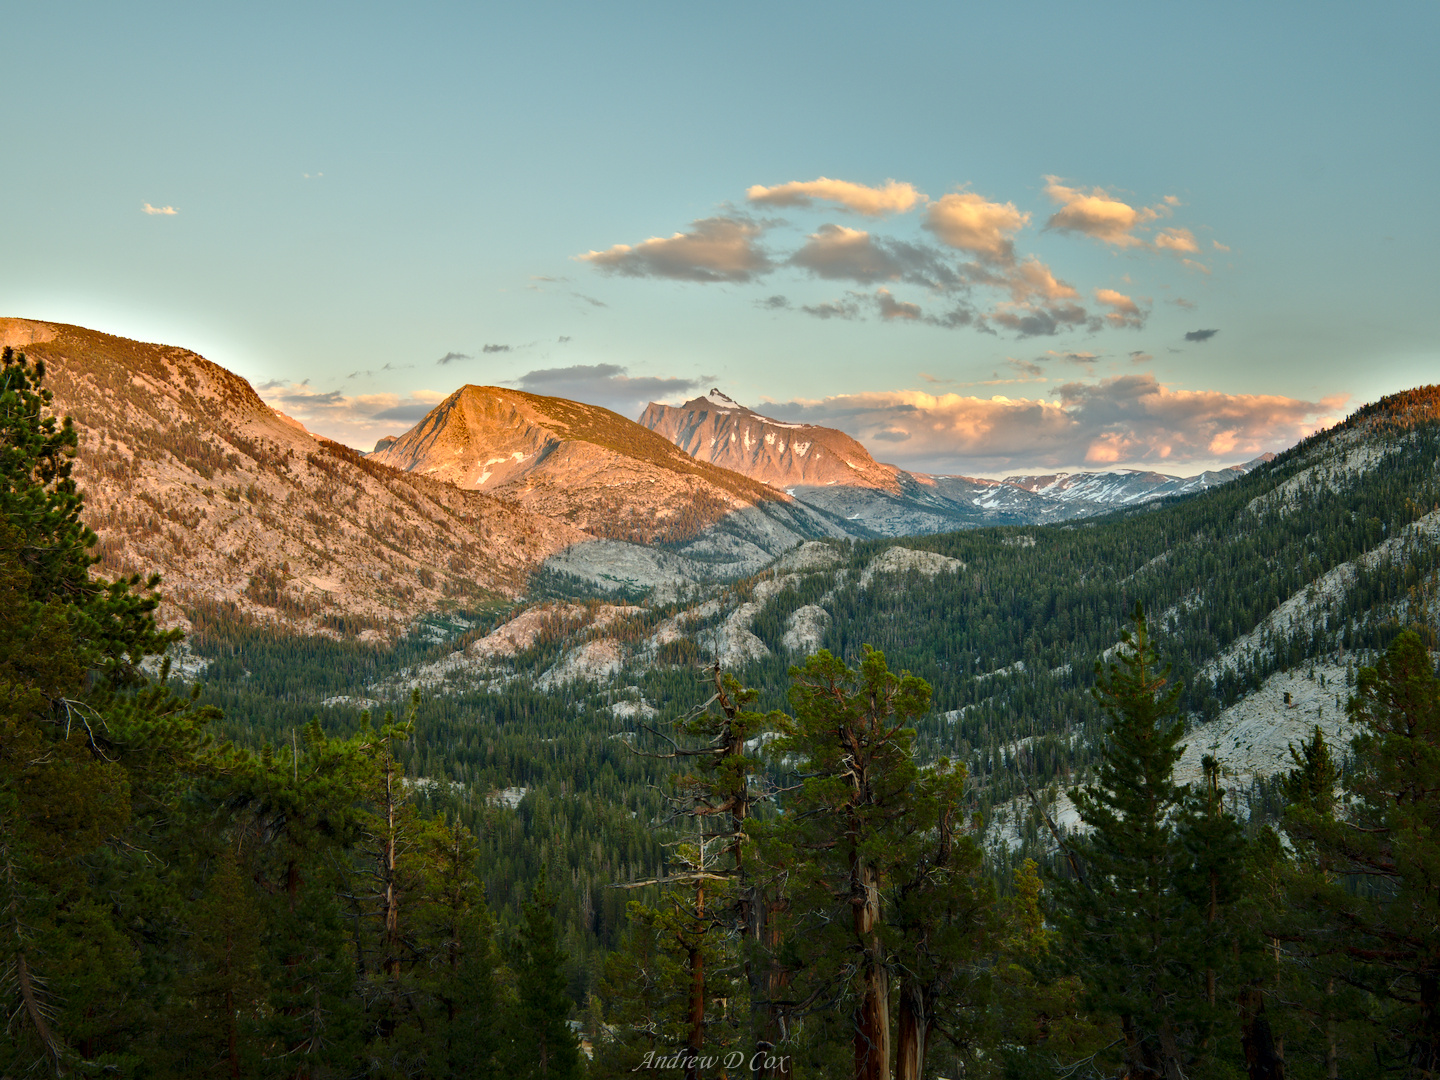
{"points": [[842, 862]]}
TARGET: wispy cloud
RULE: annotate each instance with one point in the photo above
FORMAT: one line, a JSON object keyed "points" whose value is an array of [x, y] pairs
{"points": [[487, 349], [892, 197], [715, 249], [834, 309], [1200, 335], [164, 211], [451, 357]]}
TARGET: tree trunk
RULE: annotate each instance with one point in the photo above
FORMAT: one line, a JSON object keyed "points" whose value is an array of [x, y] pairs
{"points": [[1332, 1053], [697, 992], [872, 1016], [913, 1034]]}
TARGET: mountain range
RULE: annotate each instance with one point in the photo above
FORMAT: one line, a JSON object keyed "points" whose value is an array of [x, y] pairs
{"points": [[189, 472], [832, 472]]}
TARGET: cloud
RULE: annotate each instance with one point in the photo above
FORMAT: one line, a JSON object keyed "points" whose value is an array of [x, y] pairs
{"points": [[773, 303], [1028, 368], [1176, 240], [1129, 419], [166, 211], [1031, 320], [890, 308], [589, 300], [1200, 335], [1196, 265], [1180, 301], [1218, 246], [1139, 357], [893, 197], [970, 222], [1073, 357], [833, 309], [959, 315], [607, 385], [1098, 214], [495, 348], [1124, 312], [451, 357], [716, 249], [839, 253]]}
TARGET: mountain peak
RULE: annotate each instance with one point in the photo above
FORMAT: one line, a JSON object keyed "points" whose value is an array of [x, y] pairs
{"points": [[715, 397]]}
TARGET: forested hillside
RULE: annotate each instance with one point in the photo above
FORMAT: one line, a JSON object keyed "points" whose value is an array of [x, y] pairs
{"points": [[823, 865]]}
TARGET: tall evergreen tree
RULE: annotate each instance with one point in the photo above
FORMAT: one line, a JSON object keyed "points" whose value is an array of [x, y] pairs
{"points": [[91, 765], [542, 1044], [1127, 926], [1378, 886]]}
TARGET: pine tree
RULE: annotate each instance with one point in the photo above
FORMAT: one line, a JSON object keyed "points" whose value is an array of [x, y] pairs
{"points": [[224, 992], [842, 838], [91, 763], [542, 1044], [456, 945], [944, 924], [1128, 929], [1377, 885]]}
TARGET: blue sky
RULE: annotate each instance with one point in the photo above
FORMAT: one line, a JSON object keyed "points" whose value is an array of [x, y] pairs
{"points": [[362, 191]]}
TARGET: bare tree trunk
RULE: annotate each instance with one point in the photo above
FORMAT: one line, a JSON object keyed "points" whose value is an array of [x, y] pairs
{"points": [[913, 1034], [872, 1017], [697, 990]]}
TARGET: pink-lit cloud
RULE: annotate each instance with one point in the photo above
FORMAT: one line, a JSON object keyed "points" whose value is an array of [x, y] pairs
{"points": [[891, 198], [1129, 420], [715, 249]]}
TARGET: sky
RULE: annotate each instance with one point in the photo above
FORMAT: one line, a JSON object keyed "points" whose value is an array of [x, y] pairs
{"points": [[982, 239]]}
